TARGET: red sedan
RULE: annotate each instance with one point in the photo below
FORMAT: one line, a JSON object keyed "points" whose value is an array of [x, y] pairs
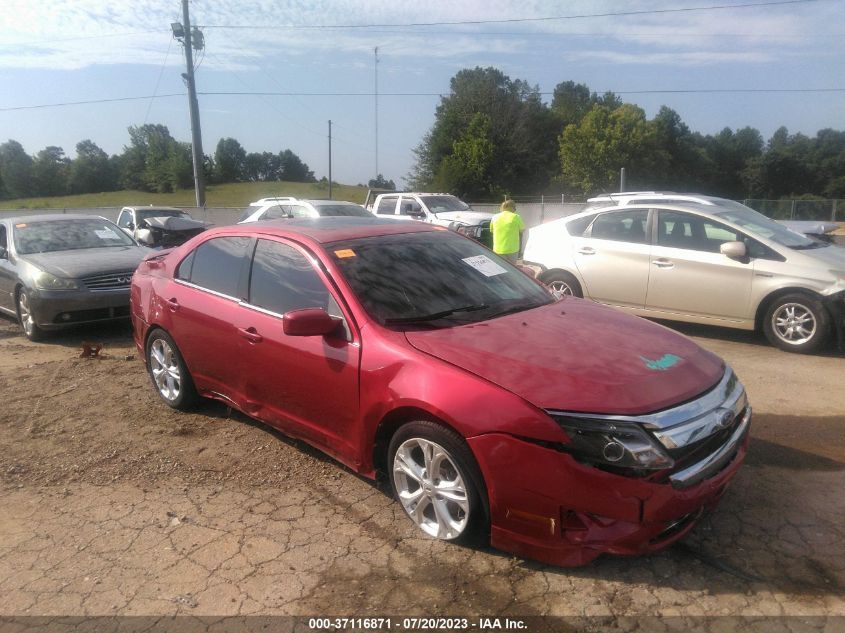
{"points": [[554, 429]]}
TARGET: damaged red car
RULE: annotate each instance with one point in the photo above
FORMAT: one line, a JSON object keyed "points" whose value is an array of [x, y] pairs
{"points": [[555, 429]]}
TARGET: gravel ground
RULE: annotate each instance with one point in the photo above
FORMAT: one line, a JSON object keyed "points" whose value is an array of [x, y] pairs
{"points": [[111, 503]]}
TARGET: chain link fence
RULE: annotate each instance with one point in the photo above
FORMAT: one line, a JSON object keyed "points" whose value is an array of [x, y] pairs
{"points": [[832, 210]]}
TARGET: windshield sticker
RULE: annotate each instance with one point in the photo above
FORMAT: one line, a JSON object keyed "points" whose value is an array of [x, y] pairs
{"points": [[484, 265], [106, 234], [346, 252], [663, 363]]}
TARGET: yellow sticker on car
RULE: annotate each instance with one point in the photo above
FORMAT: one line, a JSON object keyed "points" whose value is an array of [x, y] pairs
{"points": [[20, 226], [346, 252]]}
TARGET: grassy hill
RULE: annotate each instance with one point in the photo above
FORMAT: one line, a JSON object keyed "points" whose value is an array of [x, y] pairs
{"points": [[238, 194]]}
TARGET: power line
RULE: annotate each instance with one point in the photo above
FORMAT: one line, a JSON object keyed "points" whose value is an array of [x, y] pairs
{"points": [[52, 40], [717, 7], [158, 81], [412, 94]]}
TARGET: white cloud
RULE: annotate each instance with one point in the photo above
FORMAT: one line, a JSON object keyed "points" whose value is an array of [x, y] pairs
{"points": [[47, 34]]}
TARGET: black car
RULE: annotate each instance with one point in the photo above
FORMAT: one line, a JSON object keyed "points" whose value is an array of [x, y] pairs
{"points": [[60, 270]]}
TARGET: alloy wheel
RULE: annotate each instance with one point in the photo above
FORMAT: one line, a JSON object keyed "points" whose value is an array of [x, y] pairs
{"points": [[560, 289], [165, 370], [431, 488], [794, 323], [27, 320]]}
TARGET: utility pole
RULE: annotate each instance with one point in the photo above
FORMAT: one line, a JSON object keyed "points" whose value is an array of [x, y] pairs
{"points": [[375, 68], [330, 159], [192, 39]]}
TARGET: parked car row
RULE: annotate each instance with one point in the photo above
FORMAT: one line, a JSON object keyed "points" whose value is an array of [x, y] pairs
{"points": [[697, 259]]}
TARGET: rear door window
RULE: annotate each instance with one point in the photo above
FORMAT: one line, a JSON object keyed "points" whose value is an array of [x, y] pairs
{"points": [[387, 205], [621, 226], [216, 264]]}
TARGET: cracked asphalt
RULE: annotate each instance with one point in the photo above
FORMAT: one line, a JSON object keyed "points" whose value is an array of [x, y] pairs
{"points": [[111, 503]]}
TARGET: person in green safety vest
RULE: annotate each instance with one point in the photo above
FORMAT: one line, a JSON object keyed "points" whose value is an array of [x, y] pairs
{"points": [[507, 228]]}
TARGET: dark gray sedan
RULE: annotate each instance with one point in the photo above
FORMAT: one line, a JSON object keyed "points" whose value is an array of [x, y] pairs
{"points": [[61, 270]]}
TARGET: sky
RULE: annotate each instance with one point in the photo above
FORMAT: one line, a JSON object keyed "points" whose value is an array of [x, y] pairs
{"points": [[717, 64]]}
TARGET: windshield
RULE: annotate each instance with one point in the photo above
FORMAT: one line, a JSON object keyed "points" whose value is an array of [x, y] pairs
{"points": [[343, 209], [758, 224], [441, 204], [160, 213], [437, 278], [67, 235]]}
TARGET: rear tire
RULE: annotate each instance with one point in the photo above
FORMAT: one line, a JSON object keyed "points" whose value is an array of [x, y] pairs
{"points": [[563, 284], [169, 373], [435, 478], [797, 323]]}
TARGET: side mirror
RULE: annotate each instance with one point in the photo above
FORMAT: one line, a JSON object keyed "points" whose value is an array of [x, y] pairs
{"points": [[309, 322], [131, 226], [734, 250], [4, 254], [417, 213]]}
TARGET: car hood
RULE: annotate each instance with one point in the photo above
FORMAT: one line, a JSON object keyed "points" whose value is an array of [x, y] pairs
{"points": [[574, 355], [829, 256], [88, 261], [171, 223], [470, 218]]}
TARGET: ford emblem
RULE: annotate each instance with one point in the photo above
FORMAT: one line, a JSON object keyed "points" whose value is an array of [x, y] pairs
{"points": [[724, 417]]}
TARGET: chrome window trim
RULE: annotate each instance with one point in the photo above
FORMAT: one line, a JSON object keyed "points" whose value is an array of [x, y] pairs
{"points": [[208, 290], [689, 422]]}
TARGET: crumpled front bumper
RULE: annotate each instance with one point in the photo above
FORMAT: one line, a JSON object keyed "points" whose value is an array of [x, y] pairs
{"points": [[544, 505]]}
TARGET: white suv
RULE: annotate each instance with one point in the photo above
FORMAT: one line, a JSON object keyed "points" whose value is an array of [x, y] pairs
{"points": [[288, 207]]}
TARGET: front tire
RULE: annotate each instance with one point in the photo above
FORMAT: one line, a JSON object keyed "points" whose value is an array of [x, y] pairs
{"points": [[169, 373], [563, 284], [438, 483], [797, 323], [27, 318]]}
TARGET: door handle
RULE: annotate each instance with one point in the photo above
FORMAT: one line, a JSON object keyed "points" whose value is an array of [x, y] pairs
{"points": [[250, 334], [172, 304], [663, 263], [587, 250]]}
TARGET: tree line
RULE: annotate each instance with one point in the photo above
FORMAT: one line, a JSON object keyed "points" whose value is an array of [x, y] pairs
{"points": [[494, 136], [153, 161]]}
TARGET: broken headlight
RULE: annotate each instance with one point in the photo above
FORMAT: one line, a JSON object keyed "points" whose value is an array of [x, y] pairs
{"points": [[610, 443]]}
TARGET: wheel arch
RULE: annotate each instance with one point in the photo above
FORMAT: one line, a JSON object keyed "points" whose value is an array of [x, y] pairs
{"points": [[773, 296]]}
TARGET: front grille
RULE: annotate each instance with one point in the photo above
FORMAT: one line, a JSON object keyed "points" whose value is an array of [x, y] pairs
{"points": [[691, 453], [97, 314], [109, 281]]}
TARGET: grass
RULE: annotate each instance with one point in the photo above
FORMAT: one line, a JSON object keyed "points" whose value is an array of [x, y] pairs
{"points": [[238, 194]]}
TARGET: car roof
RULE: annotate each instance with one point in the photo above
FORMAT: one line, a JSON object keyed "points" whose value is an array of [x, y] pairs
{"points": [[151, 207], [332, 229], [326, 203], [47, 217]]}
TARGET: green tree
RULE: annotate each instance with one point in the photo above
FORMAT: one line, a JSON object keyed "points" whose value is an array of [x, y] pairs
{"points": [[262, 167], [149, 164], [50, 171], [16, 170], [593, 152], [229, 160], [466, 170], [92, 170], [380, 183], [522, 132], [292, 169]]}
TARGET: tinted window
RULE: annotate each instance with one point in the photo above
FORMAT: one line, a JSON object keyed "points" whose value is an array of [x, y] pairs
{"points": [[621, 226], [184, 269], [693, 232], [67, 235], [434, 278], [387, 205], [3, 243], [282, 279], [217, 264], [353, 210], [125, 219], [577, 227]]}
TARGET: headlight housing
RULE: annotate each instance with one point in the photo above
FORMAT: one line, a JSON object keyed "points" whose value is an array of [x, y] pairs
{"points": [[45, 281], [605, 443]]}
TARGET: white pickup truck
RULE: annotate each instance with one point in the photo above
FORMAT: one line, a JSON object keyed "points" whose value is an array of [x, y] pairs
{"points": [[442, 209]]}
